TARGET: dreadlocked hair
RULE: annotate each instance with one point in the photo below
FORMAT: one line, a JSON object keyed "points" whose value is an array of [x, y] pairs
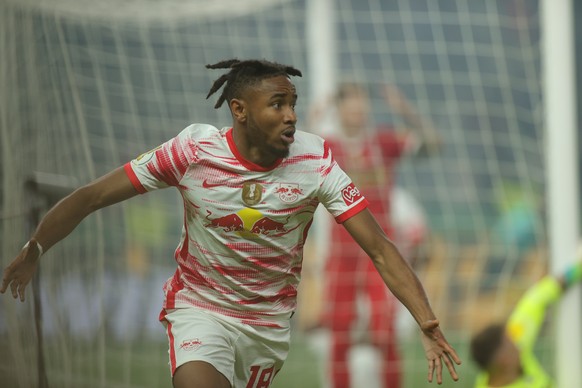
{"points": [[243, 74]]}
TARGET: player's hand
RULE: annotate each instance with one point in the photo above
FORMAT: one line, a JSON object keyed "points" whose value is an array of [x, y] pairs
{"points": [[19, 273], [438, 351], [396, 99]]}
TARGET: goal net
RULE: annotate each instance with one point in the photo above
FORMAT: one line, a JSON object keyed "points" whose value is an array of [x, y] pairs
{"points": [[87, 86]]}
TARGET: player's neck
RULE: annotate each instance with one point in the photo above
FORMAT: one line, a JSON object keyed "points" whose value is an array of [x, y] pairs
{"points": [[251, 152]]}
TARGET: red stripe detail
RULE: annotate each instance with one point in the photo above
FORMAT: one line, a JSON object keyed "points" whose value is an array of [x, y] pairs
{"points": [[155, 173], [172, 349], [352, 212], [162, 316], [166, 168], [133, 178], [301, 158], [179, 158], [326, 169], [285, 293], [176, 286], [325, 150], [263, 324], [186, 241]]}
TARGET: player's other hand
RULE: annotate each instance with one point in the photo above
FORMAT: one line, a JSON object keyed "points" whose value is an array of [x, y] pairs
{"points": [[18, 273], [438, 351]]}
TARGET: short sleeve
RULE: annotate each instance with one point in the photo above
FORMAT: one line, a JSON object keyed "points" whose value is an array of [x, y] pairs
{"points": [[338, 194], [165, 165]]}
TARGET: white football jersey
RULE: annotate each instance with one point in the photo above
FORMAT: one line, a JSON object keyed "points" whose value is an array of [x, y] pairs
{"points": [[245, 225]]}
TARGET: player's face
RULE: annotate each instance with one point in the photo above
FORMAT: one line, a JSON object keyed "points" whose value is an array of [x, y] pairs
{"points": [[354, 111], [271, 118]]}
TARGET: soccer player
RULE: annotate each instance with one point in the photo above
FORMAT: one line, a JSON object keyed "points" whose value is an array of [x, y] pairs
{"points": [[504, 351], [369, 155], [250, 191]]}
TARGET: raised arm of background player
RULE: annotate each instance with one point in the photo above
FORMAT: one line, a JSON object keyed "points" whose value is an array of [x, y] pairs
{"points": [[526, 319], [405, 285], [61, 220], [427, 139]]}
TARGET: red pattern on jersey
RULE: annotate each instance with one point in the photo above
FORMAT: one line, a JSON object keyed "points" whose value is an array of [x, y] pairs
{"points": [[179, 157], [239, 258], [164, 170]]}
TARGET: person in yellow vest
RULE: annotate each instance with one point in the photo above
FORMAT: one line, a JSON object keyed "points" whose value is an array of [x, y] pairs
{"points": [[504, 351]]}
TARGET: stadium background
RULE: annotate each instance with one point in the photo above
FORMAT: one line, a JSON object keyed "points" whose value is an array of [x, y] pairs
{"points": [[87, 87]]}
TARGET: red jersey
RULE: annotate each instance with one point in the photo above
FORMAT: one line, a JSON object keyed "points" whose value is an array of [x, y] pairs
{"points": [[370, 162]]}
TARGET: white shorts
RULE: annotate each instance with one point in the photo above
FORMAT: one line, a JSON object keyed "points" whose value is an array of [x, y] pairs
{"points": [[248, 356]]}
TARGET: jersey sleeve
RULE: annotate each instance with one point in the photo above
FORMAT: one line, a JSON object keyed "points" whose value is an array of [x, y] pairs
{"points": [[163, 166], [338, 194], [525, 321]]}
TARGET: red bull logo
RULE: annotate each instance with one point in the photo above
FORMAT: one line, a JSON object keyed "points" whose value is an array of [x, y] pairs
{"points": [[228, 223], [288, 192], [266, 225], [269, 227], [250, 222], [190, 344]]}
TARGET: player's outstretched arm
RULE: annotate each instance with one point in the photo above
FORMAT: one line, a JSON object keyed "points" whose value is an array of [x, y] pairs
{"points": [[405, 285], [61, 220]]}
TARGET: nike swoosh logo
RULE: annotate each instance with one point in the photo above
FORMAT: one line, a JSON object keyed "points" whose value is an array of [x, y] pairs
{"points": [[207, 185]]}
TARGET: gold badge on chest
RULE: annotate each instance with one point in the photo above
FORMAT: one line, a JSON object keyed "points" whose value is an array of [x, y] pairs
{"points": [[252, 193]]}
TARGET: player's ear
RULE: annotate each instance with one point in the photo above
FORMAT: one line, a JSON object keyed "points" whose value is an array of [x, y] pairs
{"points": [[238, 109]]}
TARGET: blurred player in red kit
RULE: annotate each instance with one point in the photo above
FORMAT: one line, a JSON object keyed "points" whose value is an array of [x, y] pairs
{"points": [[369, 155]]}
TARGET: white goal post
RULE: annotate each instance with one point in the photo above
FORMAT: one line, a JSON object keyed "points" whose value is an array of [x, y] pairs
{"points": [[563, 190]]}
